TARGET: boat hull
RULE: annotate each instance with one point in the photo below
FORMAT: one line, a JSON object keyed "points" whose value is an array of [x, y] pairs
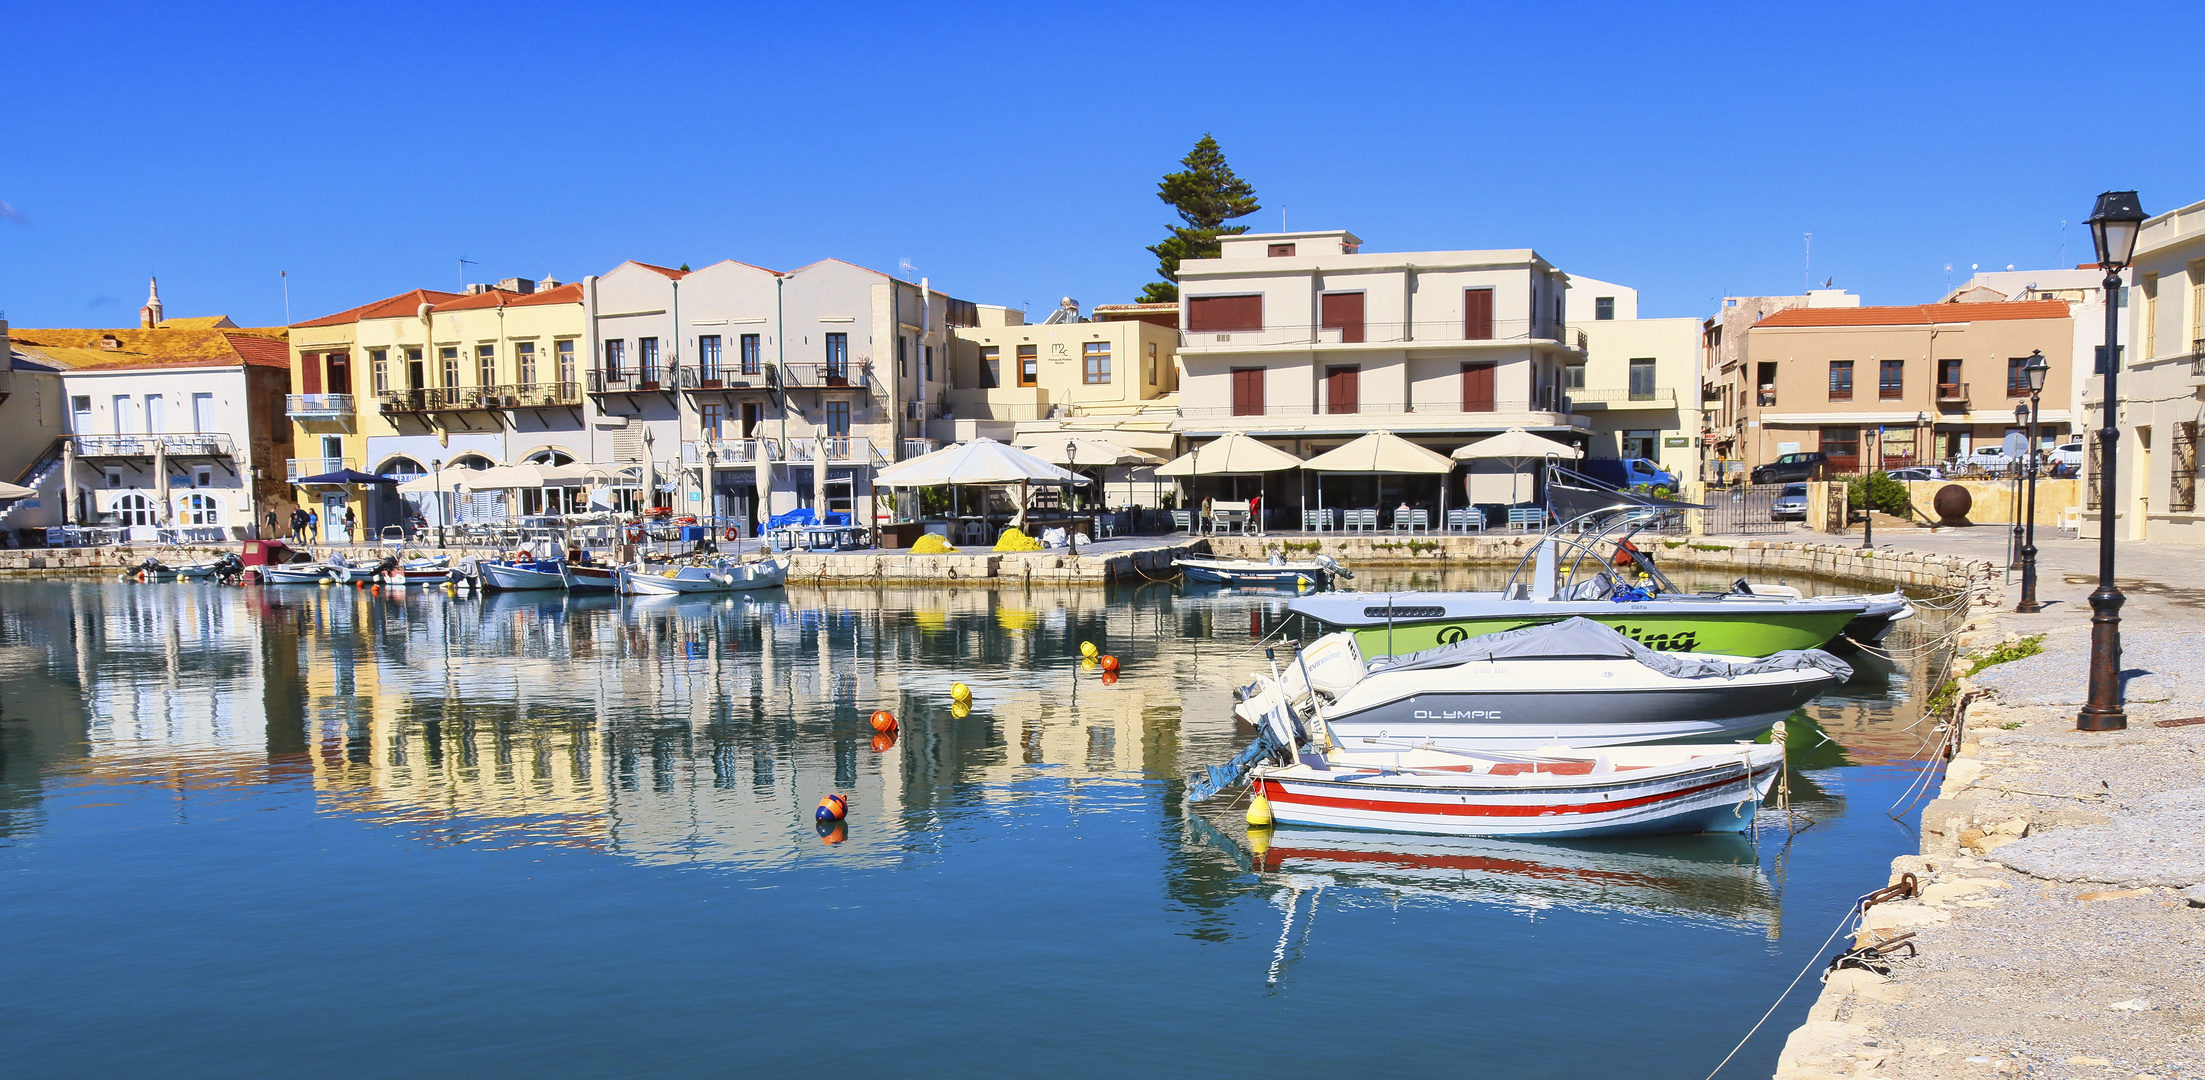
{"points": [[690, 581], [515, 576], [1254, 575], [1716, 794], [590, 578], [1743, 633], [312, 574]]}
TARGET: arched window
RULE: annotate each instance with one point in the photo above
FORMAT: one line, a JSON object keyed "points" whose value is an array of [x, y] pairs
{"points": [[550, 457], [199, 510], [134, 509], [405, 467]]}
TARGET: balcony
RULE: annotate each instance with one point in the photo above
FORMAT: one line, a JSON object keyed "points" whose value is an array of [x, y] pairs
{"points": [[631, 380], [179, 445], [313, 466], [1952, 393], [834, 450], [723, 379], [1432, 333], [1765, 396], [1611, 400], [919, 447], [549, 395], [743, 451], [321, 413], [821, 375]]}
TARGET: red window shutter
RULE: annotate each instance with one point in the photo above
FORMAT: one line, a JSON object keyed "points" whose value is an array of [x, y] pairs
{"points": [[1477, 387], [1343, 312], [310, 373], [1343, 389], [1224, 314], [1248, 391], [1477, 314]]}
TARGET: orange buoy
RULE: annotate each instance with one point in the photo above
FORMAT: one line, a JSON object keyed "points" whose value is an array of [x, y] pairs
{"points": [[833, 832], [883, 720], [832, 808], [1110, 663], [1110, 678], [884, 742]]}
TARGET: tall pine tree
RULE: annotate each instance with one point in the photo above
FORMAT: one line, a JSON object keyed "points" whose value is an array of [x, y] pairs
{"points": [[1207, 195]]}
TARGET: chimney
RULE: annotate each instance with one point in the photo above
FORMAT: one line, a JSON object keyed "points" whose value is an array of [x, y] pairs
{"points": [[517, 285], [149, 316]]}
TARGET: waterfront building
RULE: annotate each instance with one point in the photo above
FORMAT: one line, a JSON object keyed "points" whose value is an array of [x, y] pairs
{"points": [[1726, 385], [329, 412], [2084, 290], [1639, 382], [173, 423], [2163, 365], [1886, 387], [1305, 341], [31, 418]]}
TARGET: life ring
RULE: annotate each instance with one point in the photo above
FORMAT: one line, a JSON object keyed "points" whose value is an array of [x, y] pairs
{"points": [[731, 533], [635, 534], [524, 555]]}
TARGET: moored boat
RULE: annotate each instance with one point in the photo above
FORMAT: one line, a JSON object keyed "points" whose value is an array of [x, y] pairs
{"points": [[719, 576], [589, 577], [518, 573], [1278, 574], [1734, 624]]}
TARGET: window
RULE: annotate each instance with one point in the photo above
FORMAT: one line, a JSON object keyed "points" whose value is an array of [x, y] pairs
{"points": [[1890, 379], [646, 359], [1477, 314], [1641, 444], [1949, 387], [1224, 314], [838, 419], [201, 510], [926, 363], [80, 413], [379, 369], [202, 477], [2017, 376], [1573, 377], [415, 377], [114, 478], [486, 365], [1343, 388], [1604, 311], [991, 366], [753, 363], [340, 373], [2151, 315], [565, 353], [450, 356], [838, 358], [616, 361], [1247, 391], [1152, 363], [1282, 251], [708, 357], [1841, 380], [2182, 488], [202, 413], [134, 509], [1095, 363], [2097, 359], [1342, 312], [1842, 446], [1477, 388], [524, 362], [903, 359], [1642, 384], [708, 422], [1029, 364]]}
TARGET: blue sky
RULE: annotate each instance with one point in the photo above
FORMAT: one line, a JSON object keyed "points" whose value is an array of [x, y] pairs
{"points": [[1011, 153]]}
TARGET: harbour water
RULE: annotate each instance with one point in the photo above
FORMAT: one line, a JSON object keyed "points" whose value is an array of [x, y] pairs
{"points": [[262, 830]]}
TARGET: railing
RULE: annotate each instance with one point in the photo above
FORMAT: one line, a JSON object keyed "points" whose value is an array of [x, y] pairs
{"points": [[546, 395], [819, 374], [831, 448], [632, 380], [317, 406], [313, 466], [2197, 357], [920, 447], [183, 444], [1954, 393], [725, 377], [743, 451], [1437, 331], [1367, 408], [1765, 396], [1662, 397]]}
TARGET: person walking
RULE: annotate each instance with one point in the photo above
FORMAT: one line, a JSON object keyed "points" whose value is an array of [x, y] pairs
{"points": [[351, 520], [270, 533], [298, 522], [313, 526]]}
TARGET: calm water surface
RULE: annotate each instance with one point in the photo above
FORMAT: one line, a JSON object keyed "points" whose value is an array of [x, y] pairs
{"points": [[260, 830]]}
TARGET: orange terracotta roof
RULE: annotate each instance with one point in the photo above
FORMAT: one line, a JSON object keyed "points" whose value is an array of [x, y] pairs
{"points": [[570, 293], [261, 351], [1917, 314], [677, 275], [491, 298], [405, 303], [81, 349]]}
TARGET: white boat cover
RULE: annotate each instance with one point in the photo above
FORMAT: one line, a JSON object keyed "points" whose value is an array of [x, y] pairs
{"points": [[1583, 639]]}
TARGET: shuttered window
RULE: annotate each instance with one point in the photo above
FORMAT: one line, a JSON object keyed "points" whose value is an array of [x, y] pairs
{"points": [[1248, 391], [1224, 314], [1477, 387], [1343, 312], [1477, 314], [310, 373], [1343, 389]]}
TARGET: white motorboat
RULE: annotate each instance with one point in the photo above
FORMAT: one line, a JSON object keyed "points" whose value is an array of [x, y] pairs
{"points": [[1278, 573], [590, 577], [516, 573], [1576, 683], [719, 576], [296, 573]]}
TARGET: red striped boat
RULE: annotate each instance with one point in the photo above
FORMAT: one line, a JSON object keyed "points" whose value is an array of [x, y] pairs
{"points": [[1554, 791]]}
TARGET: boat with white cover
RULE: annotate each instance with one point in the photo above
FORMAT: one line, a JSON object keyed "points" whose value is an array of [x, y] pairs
{"points": [[1278, 573], [719, 576]]}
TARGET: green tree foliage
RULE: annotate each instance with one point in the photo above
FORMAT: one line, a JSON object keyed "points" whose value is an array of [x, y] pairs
{"points": [[1206, 194], [1880, 491]]}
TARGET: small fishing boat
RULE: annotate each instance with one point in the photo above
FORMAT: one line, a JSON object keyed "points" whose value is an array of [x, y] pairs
{"points": [[1576, 683], [1317, 573], [437, 570], [522, 572], [227, 565], [589, 577], [718, 576], [309, 572], [1879, 614]]}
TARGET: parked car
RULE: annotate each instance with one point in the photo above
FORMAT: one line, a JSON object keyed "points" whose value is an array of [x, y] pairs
{"points": [[1918, 472], [1988, 459], [1629, 472], [2065, 460], [1790, 504], [1790, 467]]}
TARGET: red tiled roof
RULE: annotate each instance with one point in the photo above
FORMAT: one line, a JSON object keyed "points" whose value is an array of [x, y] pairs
{"points": [[492, 298], [677, 275], [570, 293], [82, 349], [1918, 314], [261, 351], [405, 303]]}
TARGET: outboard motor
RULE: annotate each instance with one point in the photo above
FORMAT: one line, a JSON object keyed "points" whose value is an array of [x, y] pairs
{"points": [[230, 570]]}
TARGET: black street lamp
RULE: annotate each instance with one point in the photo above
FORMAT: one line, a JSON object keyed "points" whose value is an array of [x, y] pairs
{"points": [[2035, 369], [2113, 228], [1071, 458]]}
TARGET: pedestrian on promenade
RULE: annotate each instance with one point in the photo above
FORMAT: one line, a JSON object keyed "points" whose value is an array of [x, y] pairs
{"points": [[298, 522], [313, 527], [351, 520], [270, 532]]}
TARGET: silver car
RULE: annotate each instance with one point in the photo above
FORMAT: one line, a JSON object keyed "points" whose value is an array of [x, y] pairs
{"points": [[1790, 504]]}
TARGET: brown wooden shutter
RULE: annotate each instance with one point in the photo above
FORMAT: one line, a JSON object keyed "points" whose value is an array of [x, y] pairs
{"points": [[1224, 314], [1477, 314], [1248, 391], [310, 373], [1343, 312], [1477, 386], [1343, 388]]}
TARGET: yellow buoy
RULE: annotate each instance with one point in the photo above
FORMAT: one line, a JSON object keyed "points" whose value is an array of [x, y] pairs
{"points": [[960, 692], [1259, 838], [1259, 811], [960, 709], [1088, 649]]}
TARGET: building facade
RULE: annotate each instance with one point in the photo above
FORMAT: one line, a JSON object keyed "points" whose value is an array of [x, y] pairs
{"points": [[1726, 385], [1638, 386], [2154, 491], [1067, 376]]}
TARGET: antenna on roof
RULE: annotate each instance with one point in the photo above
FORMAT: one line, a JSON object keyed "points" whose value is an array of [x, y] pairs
{"points": [[286, 296], [904, 267], [1807, 272], [464, 263]]}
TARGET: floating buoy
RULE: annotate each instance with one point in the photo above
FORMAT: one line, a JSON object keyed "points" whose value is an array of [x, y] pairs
{"points": [[1259, 838], [834, 807], [1088, 649], [960, 692], [884, 742], [960, 709], [1301, 584], [834, 832], [1259, 810], [1087, 663], [883, 720], [1110, 678], [1110, 663]]}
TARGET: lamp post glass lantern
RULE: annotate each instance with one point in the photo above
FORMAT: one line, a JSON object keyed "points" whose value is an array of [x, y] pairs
{"points": [[1071, 460], [2119, 216]]}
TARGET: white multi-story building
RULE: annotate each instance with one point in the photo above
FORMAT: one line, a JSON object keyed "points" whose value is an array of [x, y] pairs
{"points": [[2163, 369], [1639, 382]]}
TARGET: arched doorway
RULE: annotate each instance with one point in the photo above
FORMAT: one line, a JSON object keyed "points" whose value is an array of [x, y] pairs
{"points": [[134, 509], [548, 501], [386, 506]]}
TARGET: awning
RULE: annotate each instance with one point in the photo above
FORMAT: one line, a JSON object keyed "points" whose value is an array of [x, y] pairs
{"points": [[1380, 452], [981, 461], [1230, 454]]}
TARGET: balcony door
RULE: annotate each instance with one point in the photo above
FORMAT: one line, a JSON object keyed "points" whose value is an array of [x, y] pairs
{"points": [[1248, 391], [340, 373], [1477, 388], [1343, 312], [1343, 389], [202, 413], [1477, 314], [125, 415], [156, 414]]}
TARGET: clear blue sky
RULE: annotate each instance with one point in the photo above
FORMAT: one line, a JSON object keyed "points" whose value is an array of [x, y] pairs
{"points": [[1011, 153]]}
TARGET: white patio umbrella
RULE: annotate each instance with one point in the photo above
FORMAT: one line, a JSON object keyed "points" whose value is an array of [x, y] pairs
{"points": [[1516, 448], [982, 462], [1230, 454], [15, 491], [1381, 452], [1090, 453]]}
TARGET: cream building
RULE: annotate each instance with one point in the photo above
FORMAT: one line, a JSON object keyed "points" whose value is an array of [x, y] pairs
{"points": [[1640, 380], [2155, 490]]}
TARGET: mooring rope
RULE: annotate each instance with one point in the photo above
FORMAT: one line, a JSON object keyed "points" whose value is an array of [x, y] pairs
{"points": [[1811, 962]]}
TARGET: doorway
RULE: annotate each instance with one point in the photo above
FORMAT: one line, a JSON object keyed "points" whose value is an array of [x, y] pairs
{"points": [[333, 518], [2139, 523]]}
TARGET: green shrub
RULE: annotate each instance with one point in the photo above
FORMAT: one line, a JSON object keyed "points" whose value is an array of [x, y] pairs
{"points": [[1877, 490]]}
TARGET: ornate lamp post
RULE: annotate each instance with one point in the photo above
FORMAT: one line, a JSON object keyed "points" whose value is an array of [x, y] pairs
{"points": [[2113, 228], [1072, 535], [437, 465], [2035, 369]]}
